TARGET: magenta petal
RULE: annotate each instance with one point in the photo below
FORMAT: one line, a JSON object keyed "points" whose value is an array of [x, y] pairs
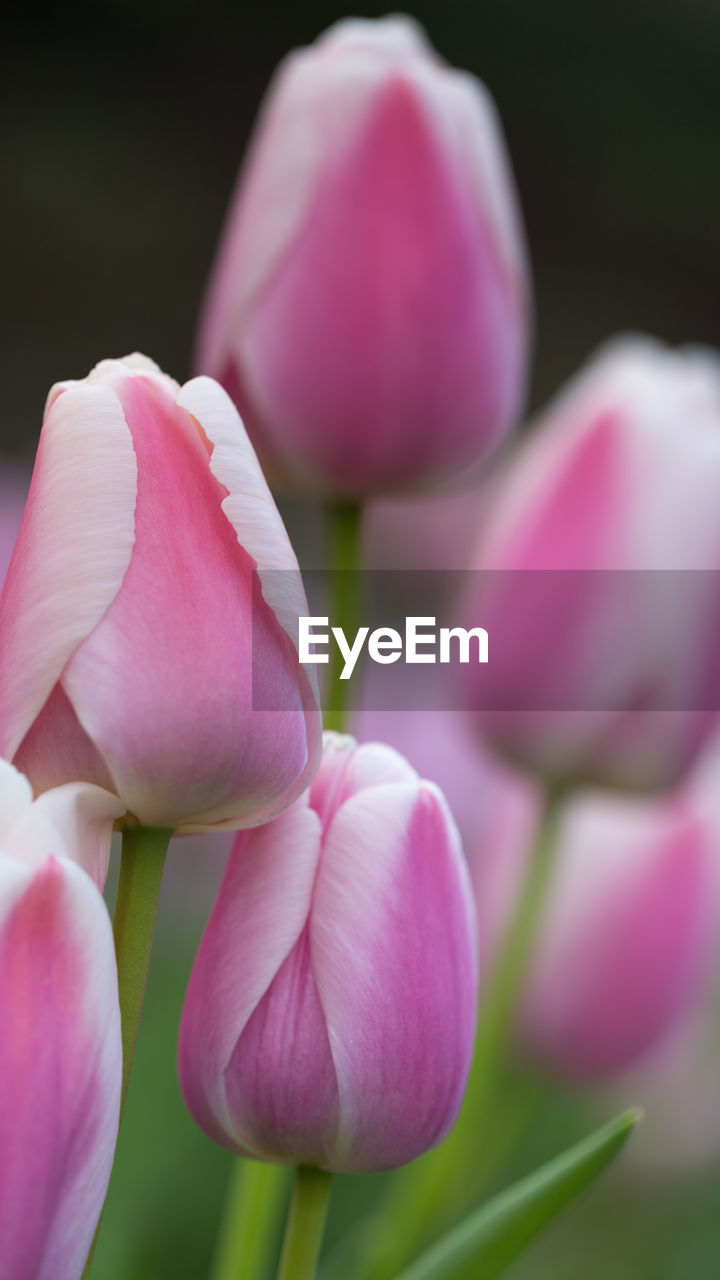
{"points": [[626, 942], [398, 323], [60, 1067], [281, 1084], [393, 943], [330, 1014], [258, 918], [72, 551], [163, 685]]}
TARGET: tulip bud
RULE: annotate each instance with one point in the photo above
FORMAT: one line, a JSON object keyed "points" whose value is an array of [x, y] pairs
{"points": [[60, 1051], [625, 942], [330, 1013], [597, 674], [368, 306], [136, 620]]}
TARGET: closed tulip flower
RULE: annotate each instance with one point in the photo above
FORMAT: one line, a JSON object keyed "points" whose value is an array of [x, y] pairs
{"points": [[368, 306], [137, 624], [626, 940], [60, 1054], [607, 672], [330, 1013]]}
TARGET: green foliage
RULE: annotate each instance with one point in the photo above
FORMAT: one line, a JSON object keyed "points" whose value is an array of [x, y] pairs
{"points": [[482, 1246]]}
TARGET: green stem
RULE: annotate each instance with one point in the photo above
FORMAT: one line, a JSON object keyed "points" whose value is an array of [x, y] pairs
{"points": [[500, 997], [305, 1225], [345, 529], [141, 868], [251, 1214], [445, 1180]]}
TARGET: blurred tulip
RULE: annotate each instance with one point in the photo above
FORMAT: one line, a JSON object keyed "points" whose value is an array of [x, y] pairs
{"points": [[679, 1091], [625, 943], [60, 1053], [432, 532], [598, 674], [330, 1014], [136, 622], [678, 1084], [368, 306]]}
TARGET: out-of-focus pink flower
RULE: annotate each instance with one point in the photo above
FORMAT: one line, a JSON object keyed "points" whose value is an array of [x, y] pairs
{"points": [[60, 1051], [678, 1084], [368, 307], [598, 674], [495, 807], [434, 532], [140, 620], [330, 1014], [13, 490], [625, 943]]}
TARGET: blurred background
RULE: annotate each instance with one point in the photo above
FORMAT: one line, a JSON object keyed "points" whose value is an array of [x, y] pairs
{"points": [[125, 123]]}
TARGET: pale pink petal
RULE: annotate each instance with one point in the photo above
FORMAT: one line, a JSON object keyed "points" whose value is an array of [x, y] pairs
{"points": [[281, 1085], [164, 686], [15, 798], [60, 1067], [83, 816], [399, 323], [625, 943], [260, 914], [56, 749], [72, 552], [74, 821], [249, 505], [393, 947], [305, 116], [346, 768]]}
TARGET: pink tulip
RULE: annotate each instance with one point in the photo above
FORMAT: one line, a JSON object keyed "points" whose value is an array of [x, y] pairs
{"points": [[599, 674], [138, 621], [625, 944], [330, 1014], [368, 306], [60, 1051]]}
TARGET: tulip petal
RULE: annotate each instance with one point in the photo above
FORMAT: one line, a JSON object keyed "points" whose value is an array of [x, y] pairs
{"points": [[344, 769], [399, 323], [59, 586], [164, 685], [391, 932], [60, 1067], [249, 506], [625, 941], [83, 816], [56, 749], [74, 821], [250, 934], [281, 1085], [15, 798]]}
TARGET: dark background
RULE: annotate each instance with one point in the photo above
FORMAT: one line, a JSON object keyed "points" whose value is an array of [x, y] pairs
{"points": [[125, 123]]}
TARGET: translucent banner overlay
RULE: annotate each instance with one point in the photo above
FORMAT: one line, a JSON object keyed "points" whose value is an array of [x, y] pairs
{"points": [[529, 640]]}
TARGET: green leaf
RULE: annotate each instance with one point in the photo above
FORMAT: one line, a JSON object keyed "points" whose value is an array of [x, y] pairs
{"points": [[486, 1242]]}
